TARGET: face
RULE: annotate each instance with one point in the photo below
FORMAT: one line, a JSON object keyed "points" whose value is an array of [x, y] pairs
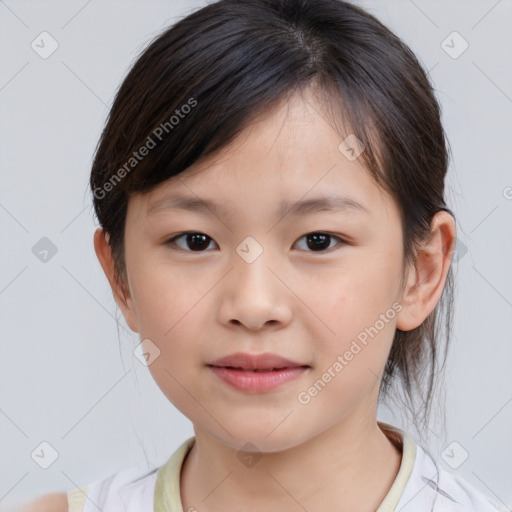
{"points": [[317, 286]]}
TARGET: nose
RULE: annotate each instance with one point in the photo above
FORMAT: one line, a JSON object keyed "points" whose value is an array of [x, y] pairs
{"points": [[254, 295]]}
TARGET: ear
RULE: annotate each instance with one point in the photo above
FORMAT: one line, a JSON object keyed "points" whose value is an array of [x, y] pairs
{"points": [[121, 294], [426, 278]]}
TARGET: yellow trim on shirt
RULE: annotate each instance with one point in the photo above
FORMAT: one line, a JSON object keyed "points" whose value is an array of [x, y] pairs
{"points": [[167, 488], [404, 472], [168, 495], [77, 498]]}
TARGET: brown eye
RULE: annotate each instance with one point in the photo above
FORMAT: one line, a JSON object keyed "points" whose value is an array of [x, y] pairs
{"points": [[320, 241], [194, 241]]}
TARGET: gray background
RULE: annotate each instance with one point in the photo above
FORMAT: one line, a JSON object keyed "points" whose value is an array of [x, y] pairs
{"points": [[67, 372]]}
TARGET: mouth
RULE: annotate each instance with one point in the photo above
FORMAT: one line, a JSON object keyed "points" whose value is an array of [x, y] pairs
{"points": [[256, 373]]}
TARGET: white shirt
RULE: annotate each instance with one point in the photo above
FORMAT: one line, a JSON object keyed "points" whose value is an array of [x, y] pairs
{"points": [[420, 486]]}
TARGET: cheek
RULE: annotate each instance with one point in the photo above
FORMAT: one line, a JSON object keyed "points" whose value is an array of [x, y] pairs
{"points": [[360, 310], [348, 372], [164, 298], [168, 309], [356, 298]]}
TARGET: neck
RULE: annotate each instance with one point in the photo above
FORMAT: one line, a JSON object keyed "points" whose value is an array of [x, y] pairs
{"points": [[360, 455]]}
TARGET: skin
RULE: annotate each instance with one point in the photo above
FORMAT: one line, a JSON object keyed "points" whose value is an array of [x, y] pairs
{"points": [[55, 502], [304, 304]]}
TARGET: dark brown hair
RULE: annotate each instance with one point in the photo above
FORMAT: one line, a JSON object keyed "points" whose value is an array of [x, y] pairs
{"points": [[200, 82]]}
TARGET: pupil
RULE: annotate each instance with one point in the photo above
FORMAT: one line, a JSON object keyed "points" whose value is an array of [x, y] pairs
{"points": [[319, 239], [197, 238]]}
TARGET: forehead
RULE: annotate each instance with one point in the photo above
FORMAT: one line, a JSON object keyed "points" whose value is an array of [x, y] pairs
{"points": [[287, 159]]}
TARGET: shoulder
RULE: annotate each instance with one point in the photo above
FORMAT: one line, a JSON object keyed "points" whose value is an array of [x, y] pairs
{"points": [[467, 495], [55, 502], [431, 487], [127, 490]]}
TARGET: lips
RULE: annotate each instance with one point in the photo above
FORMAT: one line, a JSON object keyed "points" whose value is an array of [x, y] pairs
{"points": [[256, 362], [257, 373]]}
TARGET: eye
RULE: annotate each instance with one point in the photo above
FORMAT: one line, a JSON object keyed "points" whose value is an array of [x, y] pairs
{"points": [[319, 241], [196, 241]]}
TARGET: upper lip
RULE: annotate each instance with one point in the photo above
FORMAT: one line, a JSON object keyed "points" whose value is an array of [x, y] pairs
{"points": [[246, 361]]}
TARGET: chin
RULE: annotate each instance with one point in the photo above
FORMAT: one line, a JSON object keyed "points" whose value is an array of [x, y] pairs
{"points": [[258, 439]]}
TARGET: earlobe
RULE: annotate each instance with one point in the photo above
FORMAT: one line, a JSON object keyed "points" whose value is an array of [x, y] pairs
{"points": [[121, 294], [427, 277]]}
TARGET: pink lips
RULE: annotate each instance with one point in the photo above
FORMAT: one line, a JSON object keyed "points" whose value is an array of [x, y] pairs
{"points": [[256, 373]]}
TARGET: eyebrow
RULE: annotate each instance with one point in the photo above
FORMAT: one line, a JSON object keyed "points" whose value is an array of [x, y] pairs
{"points": [[335, 203]]}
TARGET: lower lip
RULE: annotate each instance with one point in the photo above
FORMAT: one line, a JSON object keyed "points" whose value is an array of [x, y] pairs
{"points": [[247, 380]]}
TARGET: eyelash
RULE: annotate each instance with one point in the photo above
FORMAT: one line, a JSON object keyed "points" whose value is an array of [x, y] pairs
{"points": [[172, 241]]}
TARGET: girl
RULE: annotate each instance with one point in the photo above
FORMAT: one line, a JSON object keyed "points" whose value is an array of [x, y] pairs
{"points": [[270, 190]]}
